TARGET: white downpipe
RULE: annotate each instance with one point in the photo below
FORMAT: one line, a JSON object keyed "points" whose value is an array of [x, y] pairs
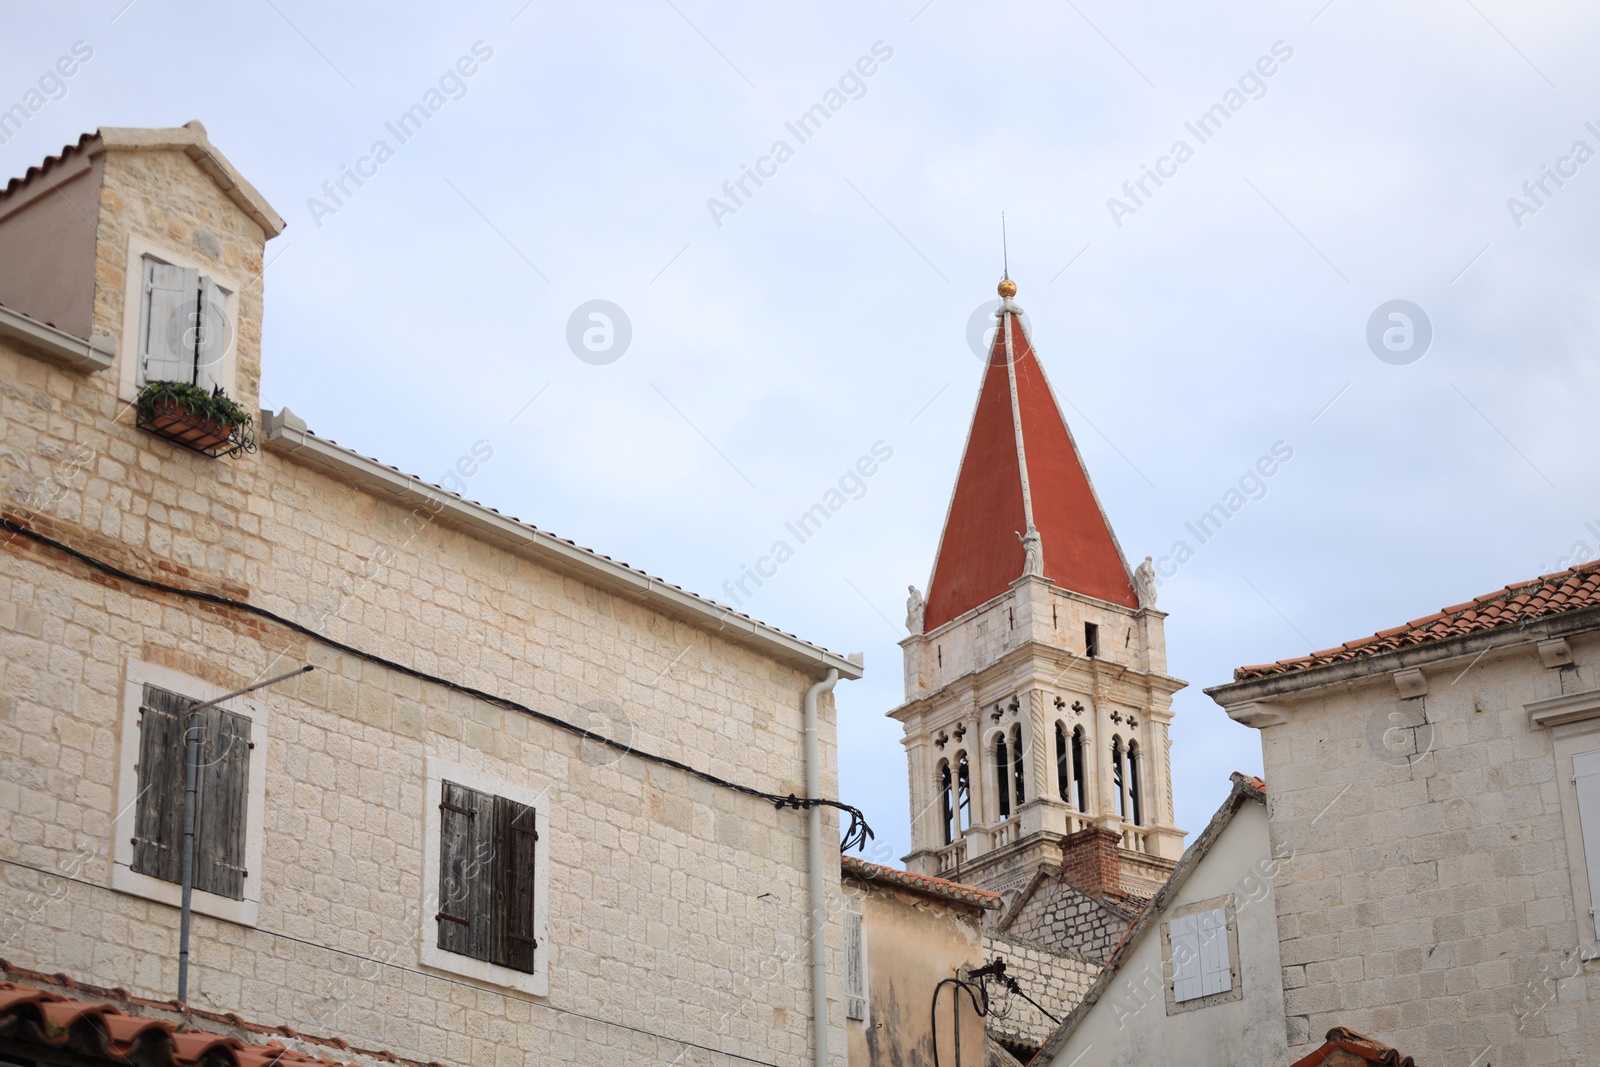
{"points": [[819, 908]]}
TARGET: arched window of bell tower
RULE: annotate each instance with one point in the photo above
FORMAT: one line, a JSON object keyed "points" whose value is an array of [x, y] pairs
{"points": [[946, 808], [1063, 767], [1135, 793], [1119, 779], [1002, 774], [963, 794], [1080, 785], [1019, 774]]}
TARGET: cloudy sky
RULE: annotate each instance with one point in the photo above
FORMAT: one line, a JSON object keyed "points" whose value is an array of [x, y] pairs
{"points": [[780, 331]]}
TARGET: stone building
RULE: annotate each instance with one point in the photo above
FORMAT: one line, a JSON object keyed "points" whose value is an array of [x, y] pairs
{"points": [[1436, 801], [530, 805]]}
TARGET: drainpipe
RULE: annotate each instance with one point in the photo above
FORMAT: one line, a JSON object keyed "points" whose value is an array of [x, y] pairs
{"points": [[819, 910]]}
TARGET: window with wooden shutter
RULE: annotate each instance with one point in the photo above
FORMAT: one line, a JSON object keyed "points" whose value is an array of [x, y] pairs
{"points": [[171, 303], [1586, 780], [221, 799], [1200, 948], [1185, 936], [855, 960], [487, 854], [211, 340]]}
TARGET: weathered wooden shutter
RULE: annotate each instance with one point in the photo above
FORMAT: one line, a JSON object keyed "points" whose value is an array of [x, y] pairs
{"points": [[855, 961], [1586, 777], [158, 808], [514, 885], [221, 801], [212, 340], [1184, 934], [1216, 969], [466, 871], [170, 304]]}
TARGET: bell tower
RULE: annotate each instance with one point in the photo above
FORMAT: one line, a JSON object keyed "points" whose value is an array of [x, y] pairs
{"points": [[1037, 699]]}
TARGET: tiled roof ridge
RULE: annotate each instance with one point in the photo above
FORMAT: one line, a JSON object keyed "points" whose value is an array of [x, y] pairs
{"points": [[939, 887], [28, 981], [1520, 602], [48, 163]]}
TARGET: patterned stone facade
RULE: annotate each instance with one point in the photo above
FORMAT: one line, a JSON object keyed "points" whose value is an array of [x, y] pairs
{"points": [[1056, 915], [1433, 894], [1056, 980], [678, 913]]}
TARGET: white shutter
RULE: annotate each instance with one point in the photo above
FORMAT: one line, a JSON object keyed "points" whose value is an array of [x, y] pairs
{"points": [[1586, 777], [213, 340], [170, 294], [1216, 970], [1184, 933], [855, 963]]}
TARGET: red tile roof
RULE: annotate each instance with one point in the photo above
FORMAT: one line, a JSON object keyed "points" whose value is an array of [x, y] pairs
{"points": [[980, 553], [921, 883], [113, 1035], [1553, 594], [1346, 1048]]}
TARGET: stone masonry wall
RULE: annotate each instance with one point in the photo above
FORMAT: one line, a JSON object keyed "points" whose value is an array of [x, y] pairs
{"points": [[1061, 917], [678, 910], [1426, 898], [1058, 980]]}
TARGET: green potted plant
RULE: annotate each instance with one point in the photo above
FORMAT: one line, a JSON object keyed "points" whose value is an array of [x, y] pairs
{"points": [[212, 422]]}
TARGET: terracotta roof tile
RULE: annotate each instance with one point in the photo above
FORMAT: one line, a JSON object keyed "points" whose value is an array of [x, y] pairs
{"points": [[113, 1035], [1346, 1047], [1518, 604], [922, 883]]}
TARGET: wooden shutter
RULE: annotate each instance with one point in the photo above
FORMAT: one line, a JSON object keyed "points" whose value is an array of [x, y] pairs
{"points": [[170, 303], [158, 808], [1184, 934], [466, 865], [855, 961], [1586, 777], [213, 339], [222, 798], [514, 886], [1216, 969]]}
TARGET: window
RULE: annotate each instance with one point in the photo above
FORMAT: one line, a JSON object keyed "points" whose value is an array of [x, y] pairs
{"points": [[1063, 767], [1119, 783], [485, 879], [963, 793], [1079, 770], [1091, 640], [229, 801], [1586, 787], [180, 321], [855, 959], [947, 812], [183, 329], [1002, 775], [221, 796], [1135, 800], [1018, 773], [1573, 722], [1200, 953]]}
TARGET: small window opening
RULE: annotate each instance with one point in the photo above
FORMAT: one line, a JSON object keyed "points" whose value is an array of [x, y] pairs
{"points": [[1091, 640]]}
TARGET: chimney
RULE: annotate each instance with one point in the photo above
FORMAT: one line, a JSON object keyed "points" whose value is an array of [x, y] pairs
{"points": [[1089, 861]]}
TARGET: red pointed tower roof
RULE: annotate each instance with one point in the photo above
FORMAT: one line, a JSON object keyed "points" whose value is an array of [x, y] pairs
{"points": [[1021, 468]]}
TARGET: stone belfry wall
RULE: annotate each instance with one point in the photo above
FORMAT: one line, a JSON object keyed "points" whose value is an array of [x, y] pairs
{"points": [[1059, 669]]}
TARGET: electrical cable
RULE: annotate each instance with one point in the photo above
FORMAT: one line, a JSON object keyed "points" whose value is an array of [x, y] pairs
{"points": [[856, 835]]}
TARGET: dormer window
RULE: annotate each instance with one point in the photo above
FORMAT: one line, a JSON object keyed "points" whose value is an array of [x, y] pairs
{"points": [[184, 333]]}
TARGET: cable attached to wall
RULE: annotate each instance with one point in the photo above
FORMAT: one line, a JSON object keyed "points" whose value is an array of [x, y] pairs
{"points": [[856, 835]]}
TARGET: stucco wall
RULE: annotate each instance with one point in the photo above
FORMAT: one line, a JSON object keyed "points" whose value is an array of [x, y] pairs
{"points": [[678, 910], [47, 236], [1129, 1024], [912, 943]]}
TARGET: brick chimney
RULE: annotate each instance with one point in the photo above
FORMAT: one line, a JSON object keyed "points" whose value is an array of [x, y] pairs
{"points": [[1089, 861]]}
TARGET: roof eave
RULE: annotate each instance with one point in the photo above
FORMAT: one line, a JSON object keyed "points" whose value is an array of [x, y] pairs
{"points": [[1234, 696], [191, 140]]}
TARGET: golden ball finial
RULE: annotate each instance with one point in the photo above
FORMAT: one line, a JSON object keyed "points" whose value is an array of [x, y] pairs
{"points": [[1008, 288]]}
